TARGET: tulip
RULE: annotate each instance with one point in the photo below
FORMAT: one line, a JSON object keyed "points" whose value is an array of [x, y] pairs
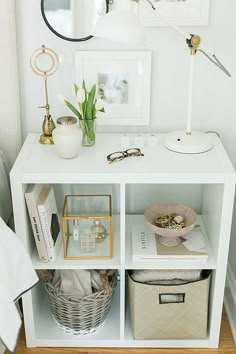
{"points": [[99, 104], [62, 98], [88, 87], [81, 96]]}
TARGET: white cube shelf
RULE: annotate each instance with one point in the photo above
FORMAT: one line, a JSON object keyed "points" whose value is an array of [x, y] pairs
{"points": [[205, 182]]}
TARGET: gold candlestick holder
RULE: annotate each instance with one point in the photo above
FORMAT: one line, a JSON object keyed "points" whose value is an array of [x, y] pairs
{"points": [[47, 67]]}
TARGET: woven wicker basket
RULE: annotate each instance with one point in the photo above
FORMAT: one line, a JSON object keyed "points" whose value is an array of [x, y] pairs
{"points": [[76, 315]]}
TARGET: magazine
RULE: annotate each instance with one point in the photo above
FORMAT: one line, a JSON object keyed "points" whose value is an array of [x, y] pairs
{"points": [[147, 247]]}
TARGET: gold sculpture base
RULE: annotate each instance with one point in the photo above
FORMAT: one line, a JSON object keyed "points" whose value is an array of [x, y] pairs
{"points": [[46, 139], [48, 127]]}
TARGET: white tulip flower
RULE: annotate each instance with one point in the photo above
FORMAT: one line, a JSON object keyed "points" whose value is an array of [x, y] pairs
{"points": [[88, 87], [62, 98], [81, 96], [99, 104]]}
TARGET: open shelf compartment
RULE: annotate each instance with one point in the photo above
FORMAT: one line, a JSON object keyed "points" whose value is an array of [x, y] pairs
{"points": [[47, 332]]}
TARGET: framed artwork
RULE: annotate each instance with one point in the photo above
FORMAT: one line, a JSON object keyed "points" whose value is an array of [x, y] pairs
{"points": [[123, 81], [178, 12]]}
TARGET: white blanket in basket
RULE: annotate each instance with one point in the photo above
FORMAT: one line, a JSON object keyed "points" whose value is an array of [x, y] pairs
{"points": [[78, 282]]}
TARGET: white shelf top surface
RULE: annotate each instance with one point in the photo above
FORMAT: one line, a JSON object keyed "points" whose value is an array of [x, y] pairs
{"points": [[39, 163]]}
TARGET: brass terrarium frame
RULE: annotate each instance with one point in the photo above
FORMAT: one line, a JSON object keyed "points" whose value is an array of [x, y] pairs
{"points": [[66, 218]]}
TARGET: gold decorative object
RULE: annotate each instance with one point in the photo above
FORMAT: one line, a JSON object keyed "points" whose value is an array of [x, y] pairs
{"points": [[98, 230], [44, 54], [193, 43], [87, 226]]}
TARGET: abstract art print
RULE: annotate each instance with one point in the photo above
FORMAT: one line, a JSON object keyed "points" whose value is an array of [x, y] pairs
{"points": [[123, 81]]}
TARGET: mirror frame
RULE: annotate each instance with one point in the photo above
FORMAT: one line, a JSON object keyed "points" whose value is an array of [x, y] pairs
{"points": [[60, 35]]}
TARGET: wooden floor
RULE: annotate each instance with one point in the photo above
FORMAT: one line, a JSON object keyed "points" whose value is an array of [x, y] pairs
{"points": [[226, 346]]}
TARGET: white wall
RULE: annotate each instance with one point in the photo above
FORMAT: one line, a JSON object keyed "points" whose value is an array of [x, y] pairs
{"points": [[10, 129], [214, 101], [214, 93]]}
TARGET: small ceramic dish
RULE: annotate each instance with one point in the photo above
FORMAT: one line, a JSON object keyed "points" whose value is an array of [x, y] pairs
{"points": [[170, 237]]}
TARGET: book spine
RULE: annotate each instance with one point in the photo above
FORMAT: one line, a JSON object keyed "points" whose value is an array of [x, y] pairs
{"points": [[36, 226], [46, 232]]}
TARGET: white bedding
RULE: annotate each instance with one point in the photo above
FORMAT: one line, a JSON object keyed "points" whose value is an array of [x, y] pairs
{"points": [[17, 276], [16, 271]]}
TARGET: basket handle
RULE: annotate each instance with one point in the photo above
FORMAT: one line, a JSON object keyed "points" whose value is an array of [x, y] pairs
{"points": [[168, 298]]}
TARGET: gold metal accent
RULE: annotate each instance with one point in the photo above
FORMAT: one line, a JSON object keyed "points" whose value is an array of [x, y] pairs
{"points": [[66, 218], [196, 40], [188, 133], [194, 43], [48, 123]]}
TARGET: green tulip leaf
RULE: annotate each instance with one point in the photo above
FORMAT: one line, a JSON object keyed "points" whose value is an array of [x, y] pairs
{"points": [[90, 103], [76, 89], [73, 109]]}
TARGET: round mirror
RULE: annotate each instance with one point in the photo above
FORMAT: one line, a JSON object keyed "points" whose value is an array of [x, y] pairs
{"points": [[73, 20]]}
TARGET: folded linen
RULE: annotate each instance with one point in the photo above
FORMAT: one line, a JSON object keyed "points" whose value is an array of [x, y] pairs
{"points": [[167, 282], [81, 282], [157, 276], [77, 282]]}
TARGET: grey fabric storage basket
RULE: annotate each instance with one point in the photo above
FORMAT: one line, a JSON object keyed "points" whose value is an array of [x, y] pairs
{"points": [[153, 318]]}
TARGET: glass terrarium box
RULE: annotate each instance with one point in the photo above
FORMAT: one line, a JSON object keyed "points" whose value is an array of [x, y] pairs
{"points": [[87, 226]]}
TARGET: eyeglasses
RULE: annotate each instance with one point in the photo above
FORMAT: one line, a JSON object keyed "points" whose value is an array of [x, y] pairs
{"points": [[120, 155]]}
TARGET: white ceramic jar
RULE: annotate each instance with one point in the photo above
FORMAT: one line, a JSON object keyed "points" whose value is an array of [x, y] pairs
{"points": [[67, 137]]}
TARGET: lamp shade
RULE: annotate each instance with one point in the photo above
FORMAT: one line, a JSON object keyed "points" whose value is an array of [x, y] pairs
{"points": [[120, 25]]}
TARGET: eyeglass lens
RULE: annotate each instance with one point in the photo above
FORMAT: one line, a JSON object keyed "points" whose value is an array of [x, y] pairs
{"points": [[116, 156], [133, 152], [120, 155]]}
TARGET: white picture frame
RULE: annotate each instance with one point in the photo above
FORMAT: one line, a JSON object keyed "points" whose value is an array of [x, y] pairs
{"points": [[177, 12], [123, 81]]}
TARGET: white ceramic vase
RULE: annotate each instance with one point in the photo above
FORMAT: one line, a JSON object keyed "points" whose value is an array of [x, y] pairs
{"points": [[67, 137]]}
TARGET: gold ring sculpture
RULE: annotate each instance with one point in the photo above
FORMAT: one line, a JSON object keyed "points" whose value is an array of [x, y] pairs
{"points": [[48, 124]]}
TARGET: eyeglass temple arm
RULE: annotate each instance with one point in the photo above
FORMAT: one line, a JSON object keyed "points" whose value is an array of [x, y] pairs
{"points": [[193, 41]]}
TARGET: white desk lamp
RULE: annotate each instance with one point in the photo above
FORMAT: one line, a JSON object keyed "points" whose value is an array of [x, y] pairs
{"points": [[122, 24]]}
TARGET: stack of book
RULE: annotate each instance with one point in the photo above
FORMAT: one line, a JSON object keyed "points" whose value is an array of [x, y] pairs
{"points": [[147, 247], [44, 218]]}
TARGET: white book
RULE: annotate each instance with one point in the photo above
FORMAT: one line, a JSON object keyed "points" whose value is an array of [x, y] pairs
{"points": [[146, 246], [32, 196], [50, 222]]}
